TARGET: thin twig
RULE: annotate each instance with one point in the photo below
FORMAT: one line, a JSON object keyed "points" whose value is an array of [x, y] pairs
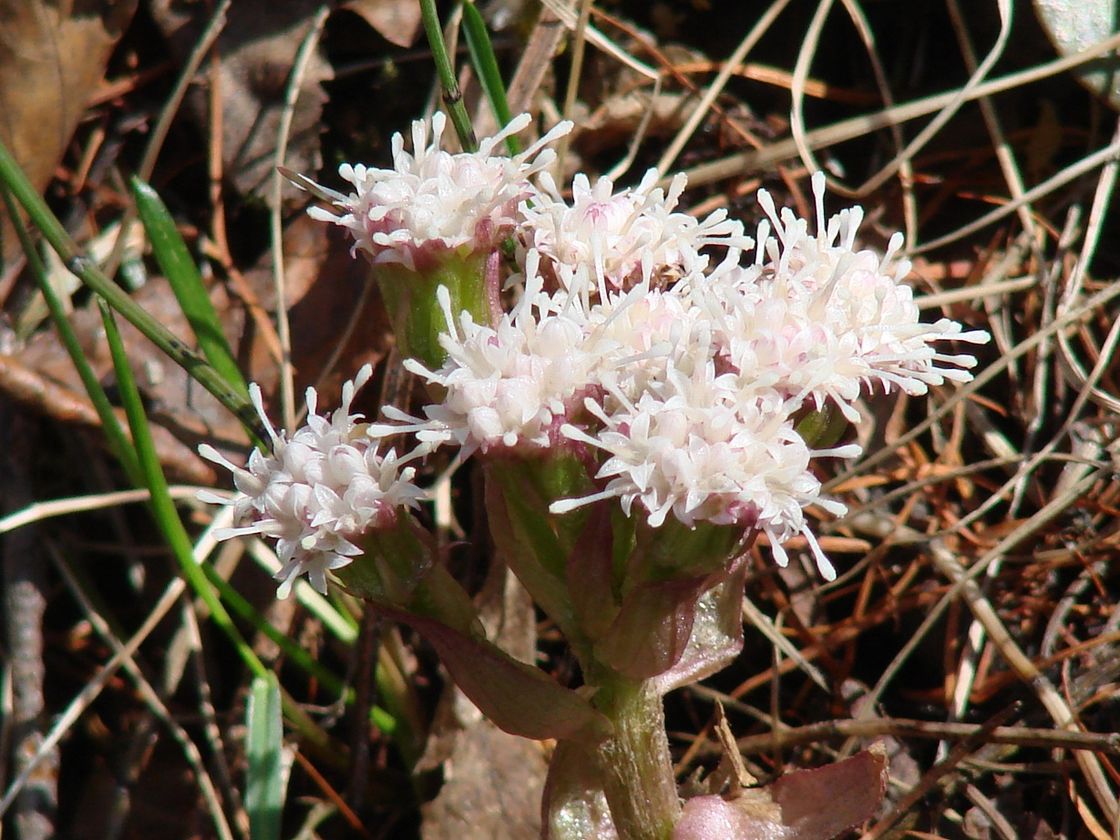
{"points": [[1072, 172], [1049, 696], [719, 83], [1004, 154], [38, 511], [291, 94], [1020, 736], [958, 98], [1069, 318], [148, 695], [940, 770], [1094, 227], [750, 161], [905, 166], [92, 689], [579, 41]]}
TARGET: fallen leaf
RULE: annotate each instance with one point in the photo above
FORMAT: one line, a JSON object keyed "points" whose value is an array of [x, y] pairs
{"points": [[397, 21], [52, 58], [256, 50], [814, 804]]}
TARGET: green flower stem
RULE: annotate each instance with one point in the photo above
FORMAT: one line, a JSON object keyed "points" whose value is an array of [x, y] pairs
{"points": [[634, 764], [175, 534], [452, 96], [299, 656], [182, 274], [118, 441]]}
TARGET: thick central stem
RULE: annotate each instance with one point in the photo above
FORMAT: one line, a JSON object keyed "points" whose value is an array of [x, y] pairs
{"points": [[635, 765]]}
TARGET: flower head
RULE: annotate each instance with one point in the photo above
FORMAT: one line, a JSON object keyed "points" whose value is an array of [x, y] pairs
{"points": [[818, 319], [626, 236], [319, 490], [510, 385], [691, 448], [433, 200]]}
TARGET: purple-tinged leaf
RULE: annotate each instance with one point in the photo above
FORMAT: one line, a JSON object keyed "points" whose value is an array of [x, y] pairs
{"points": [[518, 698], [821, 803], [652, 629], [804, 805], [753, 816], [717, 633]]}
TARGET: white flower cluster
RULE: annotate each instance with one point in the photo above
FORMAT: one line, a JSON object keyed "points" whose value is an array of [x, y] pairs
{"points": [[433, 201], [623, 237], [685, 377], [318, 490], [681, 378], [640, 376], [818, 319]]}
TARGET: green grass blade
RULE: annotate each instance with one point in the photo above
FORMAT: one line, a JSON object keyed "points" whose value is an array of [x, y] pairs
{"points": [[486, 67], [48, 224], [452, 96], [162, 506], [175, 261], [292, 651], [175, 535], [264, 777], [119, 443]]}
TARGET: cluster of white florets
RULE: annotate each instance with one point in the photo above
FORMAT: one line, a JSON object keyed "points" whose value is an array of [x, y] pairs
{"points": [[819, 320], [318, 490], [681, 376], [433, 201], [634, 235]]}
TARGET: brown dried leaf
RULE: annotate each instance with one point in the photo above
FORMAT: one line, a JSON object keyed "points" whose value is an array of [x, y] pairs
{"points": [[821, 803], [397, 21], [71, 407], [256, 50], [52, 57]]}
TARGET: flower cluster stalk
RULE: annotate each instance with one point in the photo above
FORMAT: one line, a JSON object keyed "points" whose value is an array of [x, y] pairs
{"points": [[634, 763]]}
